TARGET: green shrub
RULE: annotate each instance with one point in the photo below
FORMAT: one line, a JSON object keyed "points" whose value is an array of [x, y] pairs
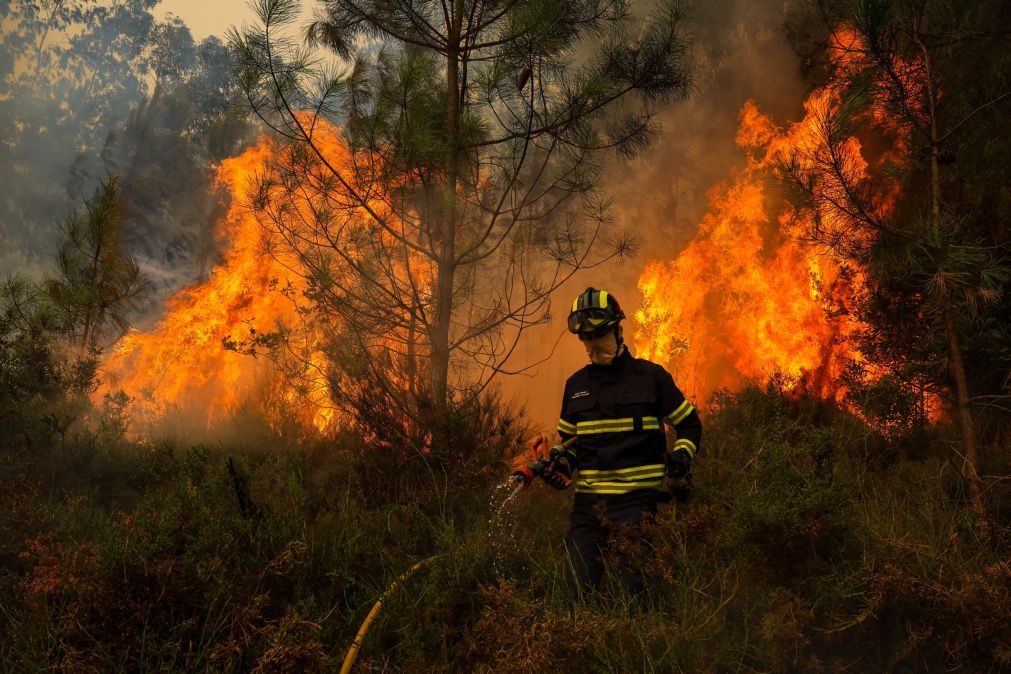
{"points": [[794, 547]]}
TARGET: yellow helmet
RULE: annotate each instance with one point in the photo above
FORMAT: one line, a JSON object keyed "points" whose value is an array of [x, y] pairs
{"points": [[594, 310]]}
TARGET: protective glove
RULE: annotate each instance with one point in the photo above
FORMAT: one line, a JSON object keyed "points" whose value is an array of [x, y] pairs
{"points": [[679, 464], [682, 488], [558, 473]]}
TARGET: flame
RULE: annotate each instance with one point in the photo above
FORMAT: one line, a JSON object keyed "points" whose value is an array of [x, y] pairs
{"points": [[272, 236], [748, 298], [181, 365], [753, 296]]}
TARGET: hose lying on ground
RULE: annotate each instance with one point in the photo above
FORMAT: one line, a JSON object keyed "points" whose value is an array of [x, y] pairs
{"points": [[349, 660]]}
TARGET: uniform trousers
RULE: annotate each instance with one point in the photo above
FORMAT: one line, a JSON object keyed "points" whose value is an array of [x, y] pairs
{"points": [[592, 528]]}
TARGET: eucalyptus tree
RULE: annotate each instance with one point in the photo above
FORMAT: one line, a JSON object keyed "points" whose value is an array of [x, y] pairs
{"points": [[92, 89], [461, 186], [71, 69]]}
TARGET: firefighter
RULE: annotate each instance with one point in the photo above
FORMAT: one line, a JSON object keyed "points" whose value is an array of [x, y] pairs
{"points": [[617, 408]]}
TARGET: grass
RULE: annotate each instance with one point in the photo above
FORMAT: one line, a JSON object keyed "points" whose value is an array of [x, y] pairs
{"points": [[811, 544]]}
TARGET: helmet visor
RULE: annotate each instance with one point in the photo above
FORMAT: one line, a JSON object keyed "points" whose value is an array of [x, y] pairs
{"points": [[590, 320]]}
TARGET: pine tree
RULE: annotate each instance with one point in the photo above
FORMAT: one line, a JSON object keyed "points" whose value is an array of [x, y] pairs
{"points": [[937, 260], [476, 131], [98, 283]]}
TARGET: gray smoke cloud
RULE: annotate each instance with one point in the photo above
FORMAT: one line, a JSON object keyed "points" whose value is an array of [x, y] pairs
{"points": [[91, 90]]}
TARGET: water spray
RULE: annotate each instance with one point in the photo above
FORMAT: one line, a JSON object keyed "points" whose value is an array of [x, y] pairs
{"points": [[539, 463]]}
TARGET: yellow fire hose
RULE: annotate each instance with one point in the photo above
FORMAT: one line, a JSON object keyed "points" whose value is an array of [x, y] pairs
{"points": [[349, 660]]}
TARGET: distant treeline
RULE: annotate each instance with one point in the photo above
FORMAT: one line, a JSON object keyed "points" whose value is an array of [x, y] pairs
{"points": [[91, 90]]}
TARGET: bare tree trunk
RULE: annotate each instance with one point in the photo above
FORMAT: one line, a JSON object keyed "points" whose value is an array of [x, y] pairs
{"points": [[446, 265], [439, 333], [411, 372], [970, 457], [90, 318]]}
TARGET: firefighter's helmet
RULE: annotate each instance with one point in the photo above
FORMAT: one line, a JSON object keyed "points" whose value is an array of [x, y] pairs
{"points": [[594, 311]]}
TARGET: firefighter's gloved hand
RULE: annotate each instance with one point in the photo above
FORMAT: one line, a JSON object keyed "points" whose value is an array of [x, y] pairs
{"points": [[679, 464], [559, 473], [681, 489]]}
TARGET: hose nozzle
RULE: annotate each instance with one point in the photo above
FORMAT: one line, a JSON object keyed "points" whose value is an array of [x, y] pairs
{"points": [[526, 473], [540, 460]]}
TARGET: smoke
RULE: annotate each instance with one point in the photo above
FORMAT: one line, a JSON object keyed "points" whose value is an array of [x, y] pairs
{"points": [[91, 90], [131, 96], [661, 196]]}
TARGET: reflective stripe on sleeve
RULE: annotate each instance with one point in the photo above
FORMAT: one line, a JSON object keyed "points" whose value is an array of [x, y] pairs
{"points": [[680, 414], [686, 444], [565, 427]]}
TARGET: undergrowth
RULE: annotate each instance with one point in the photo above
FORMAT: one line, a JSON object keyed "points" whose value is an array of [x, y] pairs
{"points": [[812, 543]]}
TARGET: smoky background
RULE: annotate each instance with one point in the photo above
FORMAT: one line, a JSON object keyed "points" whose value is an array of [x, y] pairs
{"points": [[169, 114], [741, 53], [91, 90]]}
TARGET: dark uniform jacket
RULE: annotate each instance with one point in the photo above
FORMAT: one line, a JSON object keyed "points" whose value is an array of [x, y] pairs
{"points": [[618, 413]]}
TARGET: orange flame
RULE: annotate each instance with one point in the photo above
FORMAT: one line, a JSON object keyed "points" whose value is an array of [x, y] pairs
{"points": [[751, 296], [747, 298], [181, 364]]}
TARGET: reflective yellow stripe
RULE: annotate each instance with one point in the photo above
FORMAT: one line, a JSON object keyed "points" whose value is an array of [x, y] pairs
{"points": [[601, 428], [565, 427], [584, 475], [620, 480], [615, 425], [603, 299], [613, 492], [623, 484], [635, 484], [616, 487], [679, 415], [575, 302], [622, 472], [683, 410], [685, 443]]}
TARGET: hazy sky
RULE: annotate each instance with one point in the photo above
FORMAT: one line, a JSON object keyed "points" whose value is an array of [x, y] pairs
{"points": [[208, 17]]}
